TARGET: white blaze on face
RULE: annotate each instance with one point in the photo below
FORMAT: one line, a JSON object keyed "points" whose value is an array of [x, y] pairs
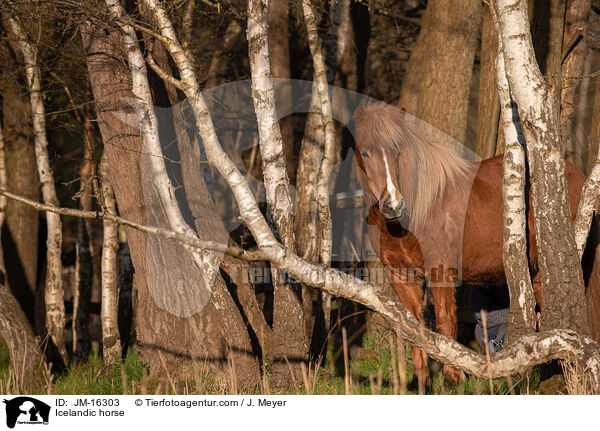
{"points": [[391, 189]]}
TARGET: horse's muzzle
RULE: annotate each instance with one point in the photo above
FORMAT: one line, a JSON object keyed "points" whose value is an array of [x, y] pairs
{"points": [[392, 209]]}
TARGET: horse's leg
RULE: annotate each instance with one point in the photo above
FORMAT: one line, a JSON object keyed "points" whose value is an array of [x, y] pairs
{"points": [[411, 295], [445, 319]]}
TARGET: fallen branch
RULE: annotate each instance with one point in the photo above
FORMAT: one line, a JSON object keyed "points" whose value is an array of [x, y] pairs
{"points": [[527, 351]]}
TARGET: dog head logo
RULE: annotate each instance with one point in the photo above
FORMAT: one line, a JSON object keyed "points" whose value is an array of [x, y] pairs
{"points": [[26, 410]]}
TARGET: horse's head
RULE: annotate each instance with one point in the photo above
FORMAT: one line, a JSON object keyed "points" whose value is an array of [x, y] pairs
{"points": [[377, 165]]}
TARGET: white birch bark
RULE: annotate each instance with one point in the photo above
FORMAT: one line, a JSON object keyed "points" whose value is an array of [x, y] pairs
{"points": [[271, 144], [587, 205], [54, 296], [560, 269], [111, 342], [328, 160], [289, 336], [312, 146], [514, 251]]}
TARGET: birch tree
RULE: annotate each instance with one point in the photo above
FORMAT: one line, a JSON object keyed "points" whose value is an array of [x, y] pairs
{"points": [[111, 343], [311, 222], [563, 294], [514, 251], [289, 338], [54, 302], [328, 157]]}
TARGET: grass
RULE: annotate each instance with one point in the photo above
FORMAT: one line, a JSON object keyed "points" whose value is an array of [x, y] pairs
{"points": [[378, 367]]}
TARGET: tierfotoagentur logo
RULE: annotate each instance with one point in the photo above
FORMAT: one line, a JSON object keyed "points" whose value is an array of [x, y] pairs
{"points": [[26, 411]]}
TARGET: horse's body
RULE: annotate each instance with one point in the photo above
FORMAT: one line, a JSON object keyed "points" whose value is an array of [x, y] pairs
{"points": [[455, 236]]}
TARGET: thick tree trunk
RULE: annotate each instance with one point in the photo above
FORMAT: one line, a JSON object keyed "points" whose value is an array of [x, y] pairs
{"points": [[26, 359], [20, 232], [488, 111], [54, 295], [111, 343], [573, 53], [451, 29], [411, 83], [594, 137], [563, 295], [189, 343], [289, 347]]}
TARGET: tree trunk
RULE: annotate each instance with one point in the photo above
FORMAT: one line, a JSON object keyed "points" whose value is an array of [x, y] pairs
{"points": [[188, 343], [488, 111], [563, 294], [411, 83], [21, 230], [279, 53], [451, 29], [594, 137], [111, 343], [26, 359], [289, 348], [312, 148], [329, 149], [54, 295], [202, 207], [574, 50], [85, 251], [521, 317]]}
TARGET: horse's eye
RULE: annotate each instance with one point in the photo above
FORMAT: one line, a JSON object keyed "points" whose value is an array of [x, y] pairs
{"points": [[365, 154]]}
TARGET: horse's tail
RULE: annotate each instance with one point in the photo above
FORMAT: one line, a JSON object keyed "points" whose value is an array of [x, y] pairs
{"points": [[591, 272]]}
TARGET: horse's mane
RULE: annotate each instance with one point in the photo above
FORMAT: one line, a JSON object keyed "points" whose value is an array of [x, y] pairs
{"points": [[426, 167]]}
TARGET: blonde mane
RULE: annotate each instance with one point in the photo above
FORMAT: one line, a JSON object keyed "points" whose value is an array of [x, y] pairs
{"points": [[426, 167]]}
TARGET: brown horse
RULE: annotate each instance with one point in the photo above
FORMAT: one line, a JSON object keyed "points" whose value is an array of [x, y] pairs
{"points": [[434, 216]]}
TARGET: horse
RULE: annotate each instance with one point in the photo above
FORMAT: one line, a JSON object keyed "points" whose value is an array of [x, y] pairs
{"points": [[435, 217]]}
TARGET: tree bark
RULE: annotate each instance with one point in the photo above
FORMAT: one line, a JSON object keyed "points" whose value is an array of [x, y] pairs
{"points": [[54, 302], [488, 111], [594, 137], [563, 294], [21, 230], [521, 317], [290, 347], [26, 359], [308, 231], [279, 54], [111, 343], [411, 83], [573, 53], [451, 29], [329, 148], [189, 343]]}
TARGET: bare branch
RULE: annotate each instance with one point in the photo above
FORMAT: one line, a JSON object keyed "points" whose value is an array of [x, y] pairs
{"points": [[161, 72], [232, 250]]}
